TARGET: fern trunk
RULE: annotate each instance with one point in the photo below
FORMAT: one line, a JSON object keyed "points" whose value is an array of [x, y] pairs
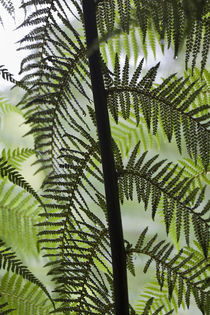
{"points": [[109, 170]]}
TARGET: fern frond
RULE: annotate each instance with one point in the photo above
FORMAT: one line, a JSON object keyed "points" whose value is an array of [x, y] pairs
{"points": [[5, 108], [195, 172], [6, 170], [55, 72], [75, 239], [169, 21], [159, 299], [16, 157], [23, 296], [9, 262], [185, 273], [157, 180], [8, 5], [6, 75], [169, 104], [18, 214]]}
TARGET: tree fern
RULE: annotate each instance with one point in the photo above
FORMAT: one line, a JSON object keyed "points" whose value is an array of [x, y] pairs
{"points": [[81, 74]]}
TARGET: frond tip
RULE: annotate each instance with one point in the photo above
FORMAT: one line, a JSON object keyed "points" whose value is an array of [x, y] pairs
{"points": [[178, 272], [6, 170]]}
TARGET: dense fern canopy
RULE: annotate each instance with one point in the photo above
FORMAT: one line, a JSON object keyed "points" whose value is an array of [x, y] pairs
{"points": [[100, 120]]}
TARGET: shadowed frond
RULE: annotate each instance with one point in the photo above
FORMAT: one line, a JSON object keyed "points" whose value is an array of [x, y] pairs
{"points": [[158, 181], [6, 75], [171, 22], [8, 171], [184, 274], [8, 5], [168, 105], [54, 69], [75, 239]]}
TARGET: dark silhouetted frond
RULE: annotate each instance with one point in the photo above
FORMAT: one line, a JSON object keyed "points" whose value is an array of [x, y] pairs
{"points": [[157, 181], [184, 274], [168, 105], [8, 171], [6, 75]]}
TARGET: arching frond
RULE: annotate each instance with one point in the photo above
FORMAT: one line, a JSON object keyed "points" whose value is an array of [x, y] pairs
{"points": [[168, 105], [75, 239], [184, 273], [16, 157], [6, 170], [171, 21], [18, 215], [156, 180], [52, 77], [9, 262], [23, 296], [5, 108]]}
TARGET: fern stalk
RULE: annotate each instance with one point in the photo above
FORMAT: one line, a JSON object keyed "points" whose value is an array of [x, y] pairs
{"points": [[109, 170]]}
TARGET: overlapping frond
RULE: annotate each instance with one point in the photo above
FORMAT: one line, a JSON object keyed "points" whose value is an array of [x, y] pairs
{"points": [[160, 297], [168, 105], [74, 238], [156, 181], [18, 215], [171, 21], [58, 106], [9, 262], [17, 156], [183, 273], [8, 171], [23, 296], [4, 306], [195, 171], [53, 70]]}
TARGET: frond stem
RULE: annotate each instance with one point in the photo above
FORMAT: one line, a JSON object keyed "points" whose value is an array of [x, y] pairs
{"points": [[109, 170]]}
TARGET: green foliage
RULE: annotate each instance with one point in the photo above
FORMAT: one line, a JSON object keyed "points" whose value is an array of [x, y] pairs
{"points": [[181, 287], [25, 297], [73, 234]]}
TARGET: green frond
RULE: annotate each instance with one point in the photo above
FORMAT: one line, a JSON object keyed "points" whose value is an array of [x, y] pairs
{"points": [[5, 108], [179, 277], [9, 262], [18, 213], [58, 106], [8, 171], [195, 171], [75, 239], [23, 297], [168, 105], [5, 311], [158, 181], [171, 22], [16, 157]]}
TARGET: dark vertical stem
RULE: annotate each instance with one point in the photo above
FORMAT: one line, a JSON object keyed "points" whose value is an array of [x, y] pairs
{"points": [[109, 171]]}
